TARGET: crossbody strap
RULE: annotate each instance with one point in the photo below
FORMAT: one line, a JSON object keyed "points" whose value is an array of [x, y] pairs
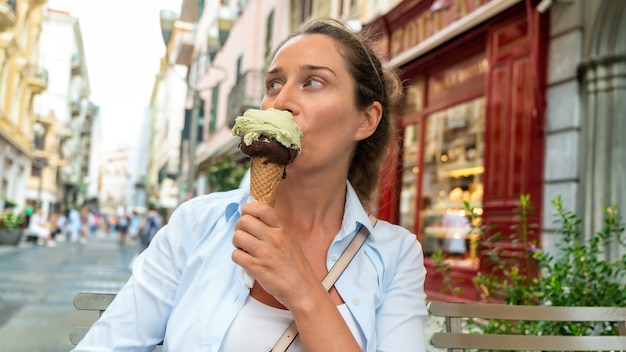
{"points": [[329, 280]]}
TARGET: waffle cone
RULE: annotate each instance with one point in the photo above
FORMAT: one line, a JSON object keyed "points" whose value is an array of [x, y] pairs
{"points": [[264, 179]]}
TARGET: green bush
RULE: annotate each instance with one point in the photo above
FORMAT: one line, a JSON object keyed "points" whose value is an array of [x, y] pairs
{"points": [[224, 174], [578, 276], [9, 220]]}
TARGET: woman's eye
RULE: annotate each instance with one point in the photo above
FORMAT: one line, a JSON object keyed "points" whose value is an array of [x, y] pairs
{"points": [[312, 82], [272, 85]]}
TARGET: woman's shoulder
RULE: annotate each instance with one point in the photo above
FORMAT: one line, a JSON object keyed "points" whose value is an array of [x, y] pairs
{"points": [[387, 229], [394, 239]]}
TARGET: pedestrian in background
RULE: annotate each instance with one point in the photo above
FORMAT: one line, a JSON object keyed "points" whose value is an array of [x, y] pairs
{"points": [[123, 221], [84, 222], [76, 227], [59, 220], [135, 225], [150, 225], [39, 226], [92, 220]]}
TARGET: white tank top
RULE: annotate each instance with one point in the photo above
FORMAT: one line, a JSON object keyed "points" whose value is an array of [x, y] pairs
{"points": [[258, 326]]}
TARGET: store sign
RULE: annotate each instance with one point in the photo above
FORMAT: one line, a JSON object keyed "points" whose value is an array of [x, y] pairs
{"points": [[456, 76], [427, 23], [465, 77]]}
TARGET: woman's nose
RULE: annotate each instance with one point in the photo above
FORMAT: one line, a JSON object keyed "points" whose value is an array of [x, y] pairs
{"points": [[285, 100]]}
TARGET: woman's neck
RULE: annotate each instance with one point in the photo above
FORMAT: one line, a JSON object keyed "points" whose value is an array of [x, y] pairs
{"points": [[310, 208]]}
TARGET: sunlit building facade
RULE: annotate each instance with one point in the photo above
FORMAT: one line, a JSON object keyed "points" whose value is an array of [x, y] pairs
{"points": [[21, 80]]}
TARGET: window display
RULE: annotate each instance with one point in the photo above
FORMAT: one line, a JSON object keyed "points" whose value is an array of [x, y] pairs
{"points": [[408, 193], [452, 174], [410, 157]]}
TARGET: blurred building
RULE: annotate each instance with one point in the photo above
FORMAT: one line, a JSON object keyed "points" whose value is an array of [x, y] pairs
{"points": [[47, 123], [21, 80], [501, 98], [74, 179], [114, 178], [167, 114]]}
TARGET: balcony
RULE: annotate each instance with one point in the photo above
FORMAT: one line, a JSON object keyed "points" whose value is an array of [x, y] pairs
{"points": [[36, 78], [86, 128], [246, 94], [7, 14], [76, 64], [184, 48], [92, 110], [75, 108]]}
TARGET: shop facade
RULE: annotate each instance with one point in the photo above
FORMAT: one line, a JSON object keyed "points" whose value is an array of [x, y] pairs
{"points": [[471, 127]]}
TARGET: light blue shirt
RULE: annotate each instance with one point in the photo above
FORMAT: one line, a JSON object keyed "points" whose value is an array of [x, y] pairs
{"points": [[185, 289]]}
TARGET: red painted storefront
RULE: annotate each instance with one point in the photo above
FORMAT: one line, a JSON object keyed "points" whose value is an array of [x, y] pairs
{"points": [[470, 127]]}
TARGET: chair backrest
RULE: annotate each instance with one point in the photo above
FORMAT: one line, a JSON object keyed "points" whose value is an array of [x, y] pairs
{"points": [[89, 301], [455, 339]]}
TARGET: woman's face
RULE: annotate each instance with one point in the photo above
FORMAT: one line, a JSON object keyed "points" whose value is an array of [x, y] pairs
{"points": [[309, 77]]}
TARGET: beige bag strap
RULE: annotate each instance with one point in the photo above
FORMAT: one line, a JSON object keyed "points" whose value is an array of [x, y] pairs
{"points": [[329, 280]]}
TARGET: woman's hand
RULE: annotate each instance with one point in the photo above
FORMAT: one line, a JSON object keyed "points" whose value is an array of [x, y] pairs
{"points": [[271, 255]]}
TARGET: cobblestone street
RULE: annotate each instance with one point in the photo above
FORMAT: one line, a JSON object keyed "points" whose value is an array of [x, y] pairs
{"points": [[37, 285]]}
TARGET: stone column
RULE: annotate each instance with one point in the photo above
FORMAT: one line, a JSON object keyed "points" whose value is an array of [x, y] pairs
{"points": [[604, 82]]}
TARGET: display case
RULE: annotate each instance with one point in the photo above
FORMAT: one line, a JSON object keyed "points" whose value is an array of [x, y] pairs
{"points": [[452, 174]]}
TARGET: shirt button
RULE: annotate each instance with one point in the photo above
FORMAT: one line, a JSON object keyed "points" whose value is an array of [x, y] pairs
{"points": [[334, 257], [356, 301]]}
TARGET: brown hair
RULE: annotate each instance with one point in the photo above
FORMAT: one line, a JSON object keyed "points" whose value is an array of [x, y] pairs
{"points": [[372, 82]]}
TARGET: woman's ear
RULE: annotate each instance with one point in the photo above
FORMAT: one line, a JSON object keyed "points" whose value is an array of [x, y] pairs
{"points": [[370, 118]]}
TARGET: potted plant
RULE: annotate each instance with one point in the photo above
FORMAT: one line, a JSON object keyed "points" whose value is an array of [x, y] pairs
{"points": [[11, 228]]}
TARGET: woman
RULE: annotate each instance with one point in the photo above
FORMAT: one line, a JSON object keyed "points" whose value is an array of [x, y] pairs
{"points": [[39, 226], [187, 286]]}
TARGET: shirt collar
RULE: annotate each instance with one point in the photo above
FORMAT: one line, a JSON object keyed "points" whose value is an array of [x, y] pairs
{"points": [[354, 215]]}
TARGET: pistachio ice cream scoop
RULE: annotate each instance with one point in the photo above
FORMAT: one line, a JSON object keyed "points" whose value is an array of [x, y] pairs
{"points": [[271, 139], [270, 124]]}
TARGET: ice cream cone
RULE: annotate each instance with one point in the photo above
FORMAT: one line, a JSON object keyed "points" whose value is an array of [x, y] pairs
{"points": [[264, 179]]}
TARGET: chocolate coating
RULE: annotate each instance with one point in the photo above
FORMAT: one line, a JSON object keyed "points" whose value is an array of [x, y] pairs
{"points": [[271, 149]]}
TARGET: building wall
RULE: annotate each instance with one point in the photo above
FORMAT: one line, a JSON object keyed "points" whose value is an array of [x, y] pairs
{"points": [[166, 117], [584, 155], [114, 178], [564, 113], [67, 101], [21, 79]]}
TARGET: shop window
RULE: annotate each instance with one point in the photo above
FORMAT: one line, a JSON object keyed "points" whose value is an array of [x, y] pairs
{"points": [[410, 158], [452, 174], [408, 192], [414, 97], [35, 171]]}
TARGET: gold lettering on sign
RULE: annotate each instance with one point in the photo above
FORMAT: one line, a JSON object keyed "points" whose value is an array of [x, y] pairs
{"points": [[410, 35], [427, 23], [437, 25], [460, 7], [422, 29], [451, 79], [397, 42]]}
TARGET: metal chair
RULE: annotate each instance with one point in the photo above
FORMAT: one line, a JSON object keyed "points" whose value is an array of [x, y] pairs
{"points": [[455, 339]]}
